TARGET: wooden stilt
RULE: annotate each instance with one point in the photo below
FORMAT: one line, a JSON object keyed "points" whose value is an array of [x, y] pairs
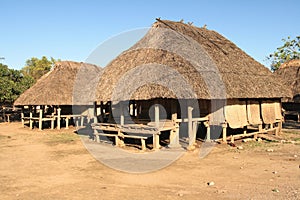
{"points": [[97, 137], [208, 133], [206, 124], [260, 129], [67, 122], [156, 144], [95, 112], [174, 133], [192, 138], [22, 117], [41, 118], [30, 118], [245, 130], [52, 121], [122, 113], [156, 116], [143, 144], [58, 118], [81, 121], [224, 132], [279, 127]]}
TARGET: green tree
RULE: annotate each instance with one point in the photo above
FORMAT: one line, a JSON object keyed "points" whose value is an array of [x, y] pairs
{"points": [[290, 50], [38, 67], [12, 84]]}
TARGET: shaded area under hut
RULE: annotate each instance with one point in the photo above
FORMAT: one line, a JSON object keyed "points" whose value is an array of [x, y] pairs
{"points": [[182, 82], [54, 99]]}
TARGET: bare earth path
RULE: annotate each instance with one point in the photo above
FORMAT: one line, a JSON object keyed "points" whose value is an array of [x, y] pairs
{"points": [[55, 165]]}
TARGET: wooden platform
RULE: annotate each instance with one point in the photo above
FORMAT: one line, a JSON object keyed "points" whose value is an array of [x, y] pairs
{"points": [[135, 131]]}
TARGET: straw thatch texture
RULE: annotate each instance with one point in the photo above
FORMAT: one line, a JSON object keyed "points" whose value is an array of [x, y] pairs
{"points": [[236, 113], [65, 84], [289, 72], [253, 112], [211, 65]]}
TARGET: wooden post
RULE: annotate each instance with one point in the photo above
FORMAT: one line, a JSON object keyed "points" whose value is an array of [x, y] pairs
{"points": [[174, 133], [81, 120], [41, 118], [279, 126], [156, 116], [192, 136], [245, 130], [207, 131], [67, 122], [30, 117], [143, 144], [52, 121], [22, 117], [224, 132], [156, 144], [120, 142], [96, 135], [122, 113], [58, 118], [260, 129], [95, 112]]}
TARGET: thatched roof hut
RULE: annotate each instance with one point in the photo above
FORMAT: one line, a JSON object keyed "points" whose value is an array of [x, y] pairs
{"points": [[289, 72], [212, 80], [60, 85], [240, 74]]}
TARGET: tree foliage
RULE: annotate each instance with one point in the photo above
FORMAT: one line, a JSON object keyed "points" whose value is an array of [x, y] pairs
{"points": [[15, 82], [290, 50], [12, 84], [36, 68]]}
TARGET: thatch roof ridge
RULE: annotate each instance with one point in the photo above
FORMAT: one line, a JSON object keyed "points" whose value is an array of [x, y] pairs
{"points": [[57, 86], [241, 75], [289, 74], [290, 63]]}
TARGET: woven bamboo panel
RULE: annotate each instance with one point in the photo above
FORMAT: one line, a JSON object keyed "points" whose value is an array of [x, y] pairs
{"points": [[236, 113], [253, 112], [268, 112], [278, 110]]}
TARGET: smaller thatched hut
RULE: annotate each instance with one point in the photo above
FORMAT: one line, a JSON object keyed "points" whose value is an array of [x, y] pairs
{"points": [[289, 72], [63, 93]]}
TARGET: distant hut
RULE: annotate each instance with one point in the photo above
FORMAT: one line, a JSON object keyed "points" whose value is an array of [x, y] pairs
{"points": [[61, 94], [177, 68], [289, 72]]}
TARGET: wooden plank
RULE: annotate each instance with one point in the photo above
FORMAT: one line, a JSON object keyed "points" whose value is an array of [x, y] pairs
{"points": [[200, 119]]}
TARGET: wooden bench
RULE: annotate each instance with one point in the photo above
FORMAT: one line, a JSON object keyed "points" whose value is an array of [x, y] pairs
{"points": [[117, 137]]}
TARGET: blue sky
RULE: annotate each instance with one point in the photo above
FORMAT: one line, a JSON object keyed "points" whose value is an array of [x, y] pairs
{"points": [[71, 30]]}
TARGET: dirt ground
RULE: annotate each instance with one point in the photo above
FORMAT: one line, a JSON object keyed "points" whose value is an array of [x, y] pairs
{"points": [[55, 165]]}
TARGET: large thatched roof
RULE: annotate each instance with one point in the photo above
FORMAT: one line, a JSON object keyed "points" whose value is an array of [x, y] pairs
{"points": [[68, 83], [289, 72], [177, 60]]}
